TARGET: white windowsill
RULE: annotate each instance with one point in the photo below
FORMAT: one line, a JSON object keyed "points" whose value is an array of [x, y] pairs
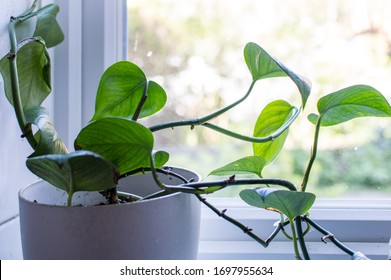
{"points": [[361, 225]]}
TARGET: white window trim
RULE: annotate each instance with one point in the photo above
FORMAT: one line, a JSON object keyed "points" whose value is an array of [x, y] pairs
{"points": [[79, 63], [95, 37], [363, 225]]}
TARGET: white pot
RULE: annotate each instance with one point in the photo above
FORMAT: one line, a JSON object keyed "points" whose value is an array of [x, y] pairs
{"points": [[160, 228]]}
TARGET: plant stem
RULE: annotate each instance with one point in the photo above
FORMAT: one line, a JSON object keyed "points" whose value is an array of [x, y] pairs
{"points": [[204, 187], [113, 196], [30, 10], [189, 187], [155, 175], [279, 228], [70, 196], [199, 122], [300, 235], [268, 138], [202, 120], [295, 247], [144, 97], [328, 235], [286, 234], [16, 97], [265, 243], [312, 157]]}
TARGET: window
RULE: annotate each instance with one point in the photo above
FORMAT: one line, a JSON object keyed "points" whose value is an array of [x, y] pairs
{"points": [[194, 49]]}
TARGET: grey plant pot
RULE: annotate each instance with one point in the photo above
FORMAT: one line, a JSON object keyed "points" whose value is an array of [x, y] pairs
{"points": [[161, 228]]}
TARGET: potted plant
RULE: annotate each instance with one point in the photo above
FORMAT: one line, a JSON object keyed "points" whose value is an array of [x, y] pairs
{"points": [[114, 147], [158, 226]]}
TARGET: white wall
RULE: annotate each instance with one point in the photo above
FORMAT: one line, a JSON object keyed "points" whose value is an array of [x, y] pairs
{"points": [[13, 150]]}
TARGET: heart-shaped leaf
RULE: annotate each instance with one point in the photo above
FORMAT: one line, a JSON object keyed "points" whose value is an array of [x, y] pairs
{"points": [[349, 103], [272, 117], [160, 158], [126, 143], [47, 26], [289, 203], [33, 64], [48, 140], [247, 165], [77, 171], [121, 89], [262, 66]]}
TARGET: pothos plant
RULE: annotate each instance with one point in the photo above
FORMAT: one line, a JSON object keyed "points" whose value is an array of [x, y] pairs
{"points": [[114, 144]]}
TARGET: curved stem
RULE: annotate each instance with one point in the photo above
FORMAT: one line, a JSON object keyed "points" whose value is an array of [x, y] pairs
{"points": [[328, 235], [213, 186], [308, 228], [268, 138], [155, 175], [313, 156], [164, 170], [30, 10], [279, 228], [16, 96], [202, 120], [204, 187], [286, 234]]}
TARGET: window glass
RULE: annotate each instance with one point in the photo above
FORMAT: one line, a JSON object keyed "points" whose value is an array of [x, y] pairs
{"points": [[194, 49]]}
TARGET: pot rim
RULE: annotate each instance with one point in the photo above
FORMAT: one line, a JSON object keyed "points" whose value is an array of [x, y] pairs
{"points": [[23, 197]]}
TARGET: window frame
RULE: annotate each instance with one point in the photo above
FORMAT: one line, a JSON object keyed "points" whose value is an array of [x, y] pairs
{"points": [[82, 58]]}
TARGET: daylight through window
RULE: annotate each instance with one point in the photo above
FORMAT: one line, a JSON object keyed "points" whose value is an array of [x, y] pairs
{"points": [[194, 49]]}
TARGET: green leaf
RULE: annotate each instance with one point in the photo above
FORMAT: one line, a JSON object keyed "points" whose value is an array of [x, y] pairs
{"points": [[349, 103], [160, 158], [272, 117], [77, 171], [262, 66], [47, 26], [313, 118], [289, 203], [33, 64], [48, 140], [120, 90], [247, 165], [126, 143]]}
